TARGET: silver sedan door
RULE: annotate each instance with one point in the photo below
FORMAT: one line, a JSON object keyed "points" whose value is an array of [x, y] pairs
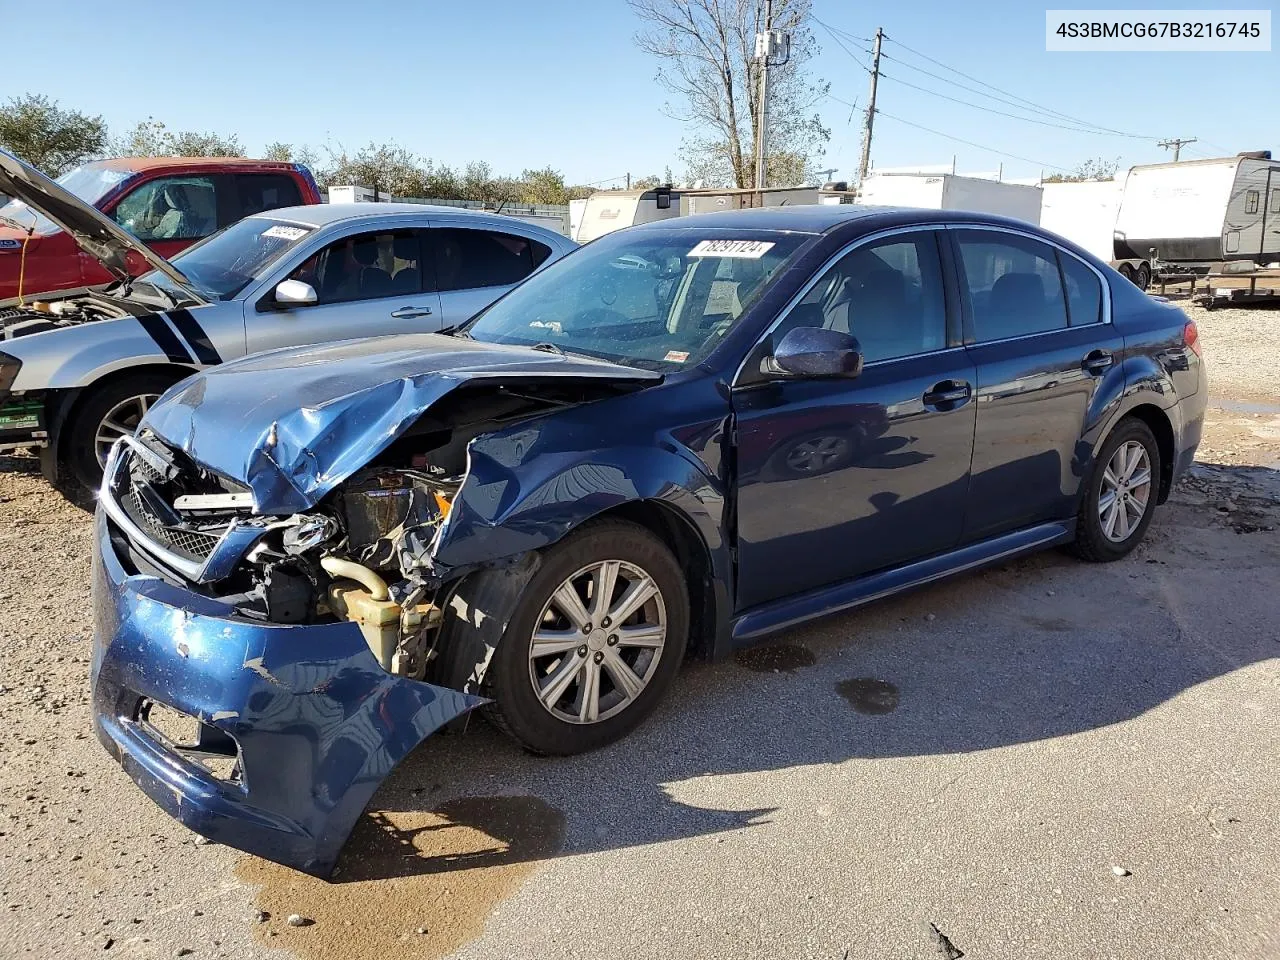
{"points": [[366, 284]]}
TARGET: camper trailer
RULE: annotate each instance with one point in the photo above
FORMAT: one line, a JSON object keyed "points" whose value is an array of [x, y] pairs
{"points": [[610, 210], [952, 192], [715, 201], [1196, 213]]}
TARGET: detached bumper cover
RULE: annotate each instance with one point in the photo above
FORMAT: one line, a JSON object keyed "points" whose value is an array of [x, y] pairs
{"points": [[317, 722]]}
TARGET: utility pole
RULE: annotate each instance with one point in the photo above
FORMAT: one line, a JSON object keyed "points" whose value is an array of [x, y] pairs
{"points": [[764, 41], [871, 109], [628, 181], [1176, 145]]}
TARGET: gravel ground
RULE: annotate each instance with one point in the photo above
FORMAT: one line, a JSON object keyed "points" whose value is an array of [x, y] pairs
{"points": [[1045, 759]]}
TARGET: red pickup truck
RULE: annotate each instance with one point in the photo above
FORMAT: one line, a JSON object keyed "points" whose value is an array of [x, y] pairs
{"points": [[167, 202]]}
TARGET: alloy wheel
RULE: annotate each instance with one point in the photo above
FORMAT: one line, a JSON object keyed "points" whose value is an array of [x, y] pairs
{"points": [[1126, 491], [121, 420], [597, 643]]}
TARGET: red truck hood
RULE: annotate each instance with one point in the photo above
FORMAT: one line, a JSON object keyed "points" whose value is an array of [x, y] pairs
{"points": [[96, 235]]}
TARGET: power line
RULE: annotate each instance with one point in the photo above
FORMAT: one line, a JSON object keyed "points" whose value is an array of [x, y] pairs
{"points": [[970, 143], [1031, 103], [852, 56], [1001, 113], [845, 33]]}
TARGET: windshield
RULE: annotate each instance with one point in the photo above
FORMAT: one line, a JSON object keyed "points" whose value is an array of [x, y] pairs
{"points": [[89, 182], [660, 300], [221, 265]]}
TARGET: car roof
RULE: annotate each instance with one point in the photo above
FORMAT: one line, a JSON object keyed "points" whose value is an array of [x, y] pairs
{"points": [[142, 164], [821, 218], [323, 214]]}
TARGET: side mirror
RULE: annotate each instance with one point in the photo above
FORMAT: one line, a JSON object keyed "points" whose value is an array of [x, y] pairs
{"points": [[812, 352], [295, 293]]}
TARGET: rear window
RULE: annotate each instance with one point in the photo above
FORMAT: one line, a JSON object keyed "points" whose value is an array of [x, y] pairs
{"points": [[257, 192], [467, 259]]}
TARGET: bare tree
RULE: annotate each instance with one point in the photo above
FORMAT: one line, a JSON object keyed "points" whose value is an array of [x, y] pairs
{"points": [[705, 51]]}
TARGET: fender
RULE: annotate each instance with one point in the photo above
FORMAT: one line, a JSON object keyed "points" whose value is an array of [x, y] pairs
{"points": [[78, 356]]}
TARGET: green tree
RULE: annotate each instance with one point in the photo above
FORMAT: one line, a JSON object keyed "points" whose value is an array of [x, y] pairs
{"points": [[543, 186], [53, 140], [1095, 168], [151, 138], [706, 58]]}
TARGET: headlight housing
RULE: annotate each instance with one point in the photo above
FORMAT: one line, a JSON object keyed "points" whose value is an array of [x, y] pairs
{"points": [[9, 367]]}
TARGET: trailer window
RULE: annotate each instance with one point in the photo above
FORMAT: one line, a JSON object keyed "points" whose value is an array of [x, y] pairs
{"points": [[1275, 199], [1251, 201]]}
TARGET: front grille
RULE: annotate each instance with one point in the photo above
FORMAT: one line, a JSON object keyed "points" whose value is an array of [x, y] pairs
{"points": [[145, 492], [191, 544]]}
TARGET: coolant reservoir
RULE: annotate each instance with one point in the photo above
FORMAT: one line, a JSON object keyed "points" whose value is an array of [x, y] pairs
{"points": [[378, 620]]}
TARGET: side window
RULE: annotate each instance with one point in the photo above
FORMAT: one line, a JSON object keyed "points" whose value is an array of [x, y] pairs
{"points": [[170, 208], [1013, 284], [365, 267], [1251, 201], [887, 294], [1084, 291], [256, 192], [1275, 200], [465, 259]]}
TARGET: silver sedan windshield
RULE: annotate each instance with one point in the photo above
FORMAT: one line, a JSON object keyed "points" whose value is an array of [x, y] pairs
{"points": [[220, 266]]}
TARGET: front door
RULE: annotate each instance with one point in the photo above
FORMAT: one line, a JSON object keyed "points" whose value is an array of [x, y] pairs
{"points": [[168, 214], [838, 478], [1042, 345], [367, 285]]}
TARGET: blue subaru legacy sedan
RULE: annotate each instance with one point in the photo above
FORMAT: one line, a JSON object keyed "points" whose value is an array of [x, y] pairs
{"points": [[679, 439]]}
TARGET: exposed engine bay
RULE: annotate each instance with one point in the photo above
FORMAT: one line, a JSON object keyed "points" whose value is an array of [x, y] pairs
{"points": [[37, 316], [364, 553]]}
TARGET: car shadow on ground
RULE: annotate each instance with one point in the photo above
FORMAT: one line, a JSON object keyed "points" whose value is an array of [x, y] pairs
{"points": [[1044, 647]]}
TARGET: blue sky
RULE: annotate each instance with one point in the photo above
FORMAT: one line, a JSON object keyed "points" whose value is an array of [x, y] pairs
{"points": [[524, 84]]}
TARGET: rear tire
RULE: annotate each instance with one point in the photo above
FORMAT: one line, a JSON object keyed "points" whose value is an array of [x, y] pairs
{"points": [[648, 642], [1121, 494], [1143, 277], [105, 413], [1126, 271]]}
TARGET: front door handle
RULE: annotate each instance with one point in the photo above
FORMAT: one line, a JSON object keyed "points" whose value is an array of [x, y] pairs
{"points": [[408, 313], [947, 395], [1097, 361]]}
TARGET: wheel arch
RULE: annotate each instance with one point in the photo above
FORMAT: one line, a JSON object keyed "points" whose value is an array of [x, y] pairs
{"points": [[63, 406], [1157, 420]]}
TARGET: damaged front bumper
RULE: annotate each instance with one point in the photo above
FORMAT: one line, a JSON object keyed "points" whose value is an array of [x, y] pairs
{"points": [[308, 721]]}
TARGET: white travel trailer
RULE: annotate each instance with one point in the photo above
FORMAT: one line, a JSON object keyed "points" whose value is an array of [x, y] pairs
{"points": [[951, 192], [1084, 212], [609, 210], [1196, 213]]}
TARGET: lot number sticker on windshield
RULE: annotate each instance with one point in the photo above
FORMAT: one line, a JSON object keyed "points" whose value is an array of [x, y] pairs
{"points": [[284, 233], [742, 249]]}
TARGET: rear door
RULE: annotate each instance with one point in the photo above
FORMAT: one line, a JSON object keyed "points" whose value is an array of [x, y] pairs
{"points": [[367, 284], [252, 193], [838, 478], [1038, 330], [474, 266]]}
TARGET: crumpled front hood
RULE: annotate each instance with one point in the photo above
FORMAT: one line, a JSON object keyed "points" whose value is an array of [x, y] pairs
{"points": [[293, 424]]}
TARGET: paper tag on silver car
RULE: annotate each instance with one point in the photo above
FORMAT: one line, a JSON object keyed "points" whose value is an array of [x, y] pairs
{"points": [[742, 249]]}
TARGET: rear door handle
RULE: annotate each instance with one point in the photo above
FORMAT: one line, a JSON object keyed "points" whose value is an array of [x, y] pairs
{"points": [[1097, 361], [408, 313], [948, 394]]}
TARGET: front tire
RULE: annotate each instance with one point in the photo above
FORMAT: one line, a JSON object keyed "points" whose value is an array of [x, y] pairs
{"points": [[594, 643], [1121, 495], [106, 414]]}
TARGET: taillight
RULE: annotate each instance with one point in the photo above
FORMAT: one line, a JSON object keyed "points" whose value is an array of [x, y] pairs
{"points": [[1191, 337]]}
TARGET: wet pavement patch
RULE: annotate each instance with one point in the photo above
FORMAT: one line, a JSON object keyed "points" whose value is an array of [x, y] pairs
{"points": [[410, 882], [776, 657], [867, 695]]}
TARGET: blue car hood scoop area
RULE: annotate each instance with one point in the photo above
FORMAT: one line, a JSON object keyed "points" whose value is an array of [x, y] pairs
{"points": [[293, 424]]}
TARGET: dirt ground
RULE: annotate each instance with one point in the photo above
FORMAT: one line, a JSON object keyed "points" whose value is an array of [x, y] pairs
{"points": [[1046, 759]]}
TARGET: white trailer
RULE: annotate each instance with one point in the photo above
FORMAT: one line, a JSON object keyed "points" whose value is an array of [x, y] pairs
{"points": [[715, 201], [1084, 212], [953, 192], [1194, 214], [610, 210]]}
